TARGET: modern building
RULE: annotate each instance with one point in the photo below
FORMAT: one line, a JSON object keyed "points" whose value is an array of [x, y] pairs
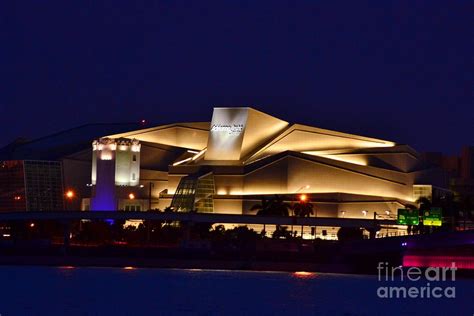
{"points": [[31, 185], [243, 156]]}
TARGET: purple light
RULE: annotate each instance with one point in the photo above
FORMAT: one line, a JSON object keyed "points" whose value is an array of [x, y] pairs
{"points": [[462, 262], [104, 198]]}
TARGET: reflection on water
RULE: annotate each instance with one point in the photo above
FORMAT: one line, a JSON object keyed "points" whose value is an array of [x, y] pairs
{"points": [[136, 291], [304, 274]]}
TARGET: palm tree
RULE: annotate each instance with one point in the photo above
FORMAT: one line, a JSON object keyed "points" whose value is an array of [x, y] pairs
{"points": [[303, 209], [273, 207], [410, 228], [278, 207], [424, 204], [262, 209]]}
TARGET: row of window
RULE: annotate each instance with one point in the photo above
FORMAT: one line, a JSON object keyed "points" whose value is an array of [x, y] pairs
{"points": [[133, 208]]}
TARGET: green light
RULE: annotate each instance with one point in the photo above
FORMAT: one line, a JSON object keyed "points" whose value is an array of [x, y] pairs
{"points": [[407, 217]]}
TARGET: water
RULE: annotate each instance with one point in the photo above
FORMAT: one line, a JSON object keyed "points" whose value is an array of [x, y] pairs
{"points": [[119, 291]]}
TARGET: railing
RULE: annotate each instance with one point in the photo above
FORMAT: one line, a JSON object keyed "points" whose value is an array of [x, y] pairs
{"points": [[195, 217]]}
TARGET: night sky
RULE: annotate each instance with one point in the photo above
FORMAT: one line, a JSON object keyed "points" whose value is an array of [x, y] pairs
{"points": [[400, 70]]}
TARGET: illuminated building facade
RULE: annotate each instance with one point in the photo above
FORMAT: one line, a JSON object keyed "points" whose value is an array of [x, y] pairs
{"points": [[244, 155], [115, 163]]}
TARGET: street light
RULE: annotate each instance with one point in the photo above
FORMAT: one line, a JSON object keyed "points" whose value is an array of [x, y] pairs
{"points": [[131, 196], [303, 197], [69, 196], [16, 202]]}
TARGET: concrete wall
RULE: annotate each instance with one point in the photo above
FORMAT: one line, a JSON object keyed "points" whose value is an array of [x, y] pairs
{"points": [[228, 206], [271, 179], [229, 184], [325, 178]]}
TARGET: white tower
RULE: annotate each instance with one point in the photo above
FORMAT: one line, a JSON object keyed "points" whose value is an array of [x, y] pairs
{"points": [[127, 162], [125, 155], [115, 162]]}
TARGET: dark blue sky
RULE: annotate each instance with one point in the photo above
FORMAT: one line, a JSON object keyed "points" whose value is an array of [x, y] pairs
{"points": [[400, 70]]}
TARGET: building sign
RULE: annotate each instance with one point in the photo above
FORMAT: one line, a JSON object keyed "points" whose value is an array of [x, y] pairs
{"points": [[230, 129], [433, 217], [236, 132], [407, 217], [226, 133]]}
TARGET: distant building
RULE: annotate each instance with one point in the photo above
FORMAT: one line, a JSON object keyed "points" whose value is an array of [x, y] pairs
{"points": [[467, 162], [459, 168], [28, 185]]}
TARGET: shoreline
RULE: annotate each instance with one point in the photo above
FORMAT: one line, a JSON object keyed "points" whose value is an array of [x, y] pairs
{"points": [[70, 262], [171, 263]]}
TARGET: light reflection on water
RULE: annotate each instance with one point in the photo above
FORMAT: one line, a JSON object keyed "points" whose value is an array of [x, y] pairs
{"points": [[304, 275], [117, 291]]}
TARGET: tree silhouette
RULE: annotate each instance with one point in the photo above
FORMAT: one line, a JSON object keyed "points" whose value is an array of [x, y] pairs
{"points": [[424, 205], [303, 209], [272, 207]]}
